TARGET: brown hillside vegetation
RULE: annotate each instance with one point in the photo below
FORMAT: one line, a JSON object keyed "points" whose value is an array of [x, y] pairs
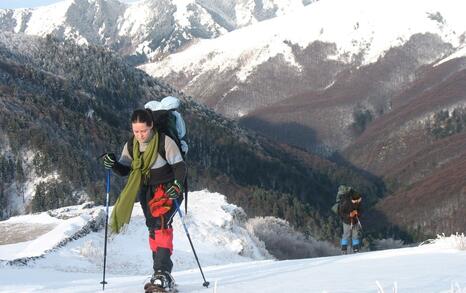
{"points": [[422, 159], [426, 161], [405, 132], [329, 113], [427, 78], [411, 143], [435, 205]]}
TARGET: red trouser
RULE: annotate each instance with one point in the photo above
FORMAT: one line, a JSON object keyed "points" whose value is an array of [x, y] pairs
{"points": [[163, 238], [162, 210]]}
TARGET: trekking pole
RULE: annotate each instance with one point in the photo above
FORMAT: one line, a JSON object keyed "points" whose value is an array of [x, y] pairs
{"points": [[359, 222], [106, 228], [205, 284]]}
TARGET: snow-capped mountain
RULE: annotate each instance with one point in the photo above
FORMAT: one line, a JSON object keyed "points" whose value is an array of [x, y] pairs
{"points": [[309, 50], [149, 28], [232, 258]]}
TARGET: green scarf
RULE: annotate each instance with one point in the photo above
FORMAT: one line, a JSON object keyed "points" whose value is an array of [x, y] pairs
{"points": [[140, 167]]}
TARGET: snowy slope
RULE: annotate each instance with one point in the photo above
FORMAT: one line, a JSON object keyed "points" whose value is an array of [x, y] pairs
{"points": [[35, 235], [232, 260], [431, 268], [217, 227], [364, 27]]}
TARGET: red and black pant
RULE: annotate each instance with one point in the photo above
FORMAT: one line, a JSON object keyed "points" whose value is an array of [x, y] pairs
{"points": [[160, 227]]}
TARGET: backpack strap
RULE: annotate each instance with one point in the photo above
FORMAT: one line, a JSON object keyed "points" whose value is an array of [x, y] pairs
{"points": [[129, 145], [161, 149]]}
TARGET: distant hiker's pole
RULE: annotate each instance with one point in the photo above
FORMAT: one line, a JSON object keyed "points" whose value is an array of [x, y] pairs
{"points": [[106, 228], [359, 222], [205, 284]]}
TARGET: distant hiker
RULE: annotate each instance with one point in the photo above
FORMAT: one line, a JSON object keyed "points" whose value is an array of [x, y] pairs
{"points": [[156, 174], [349, 210]]}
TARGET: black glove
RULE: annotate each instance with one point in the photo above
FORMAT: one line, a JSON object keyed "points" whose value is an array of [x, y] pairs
{"points": [[109, 160], [174, 190]]}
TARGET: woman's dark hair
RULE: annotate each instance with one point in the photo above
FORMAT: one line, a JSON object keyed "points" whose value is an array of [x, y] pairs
{"points": [[141, 116]]}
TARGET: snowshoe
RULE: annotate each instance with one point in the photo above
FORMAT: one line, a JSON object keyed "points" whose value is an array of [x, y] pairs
{"points": [[160, 282], [151, 288]]}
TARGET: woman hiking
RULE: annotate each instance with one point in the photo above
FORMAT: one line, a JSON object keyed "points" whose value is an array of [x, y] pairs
{"points": [[156, 172]]}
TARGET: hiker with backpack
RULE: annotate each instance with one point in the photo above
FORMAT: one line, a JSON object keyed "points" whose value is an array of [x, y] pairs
{"points": [[157, 172], [349, 210]]}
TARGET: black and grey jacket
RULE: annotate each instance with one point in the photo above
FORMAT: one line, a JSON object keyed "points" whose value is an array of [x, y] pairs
{"points": [[345, 207], [168, 166]]}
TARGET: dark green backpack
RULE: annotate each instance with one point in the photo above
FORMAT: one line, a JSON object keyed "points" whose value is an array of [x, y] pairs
{"points": [[343, 190]]}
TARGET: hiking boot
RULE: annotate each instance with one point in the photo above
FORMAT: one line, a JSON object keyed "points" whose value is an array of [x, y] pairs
{"points": [[344, 249], [162, 280], [355, 248]]}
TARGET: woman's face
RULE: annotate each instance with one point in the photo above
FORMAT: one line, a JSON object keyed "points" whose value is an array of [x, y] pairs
{"points": [[141, 131]]}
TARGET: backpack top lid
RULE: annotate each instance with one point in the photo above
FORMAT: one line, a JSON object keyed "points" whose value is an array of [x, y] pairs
{"points": [[152, 105], [168, 120], [167, 103], [348, 192], [344, 189]]}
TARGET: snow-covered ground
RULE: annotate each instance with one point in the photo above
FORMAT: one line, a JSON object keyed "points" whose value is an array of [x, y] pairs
{"points": [[233, 260]]}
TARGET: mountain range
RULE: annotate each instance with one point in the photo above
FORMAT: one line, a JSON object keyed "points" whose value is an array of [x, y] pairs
{"points": [[376, 87], [64, 104], [145, 30]]}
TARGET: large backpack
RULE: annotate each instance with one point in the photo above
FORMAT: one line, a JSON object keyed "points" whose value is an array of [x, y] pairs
{"points": [[168, 122], [343, 190]]}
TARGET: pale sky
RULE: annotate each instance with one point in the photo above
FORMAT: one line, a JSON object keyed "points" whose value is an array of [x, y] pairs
{"points": [[33, 3]]}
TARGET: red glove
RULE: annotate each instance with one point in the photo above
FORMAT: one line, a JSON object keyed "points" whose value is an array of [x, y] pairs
{"points": [[353, 214]]}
